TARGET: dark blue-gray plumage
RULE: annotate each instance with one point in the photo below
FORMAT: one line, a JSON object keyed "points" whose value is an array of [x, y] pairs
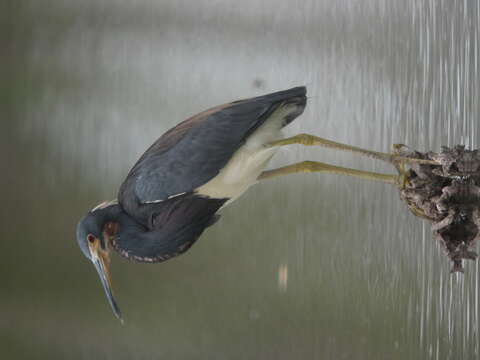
{"points": [[194, 151], [173, 192]]}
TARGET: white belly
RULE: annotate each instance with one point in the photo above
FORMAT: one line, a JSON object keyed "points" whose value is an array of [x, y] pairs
{"points": [[246, 164]]}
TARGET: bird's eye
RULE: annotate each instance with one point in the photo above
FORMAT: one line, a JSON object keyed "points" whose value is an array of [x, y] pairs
{"points": [[91, 238]]}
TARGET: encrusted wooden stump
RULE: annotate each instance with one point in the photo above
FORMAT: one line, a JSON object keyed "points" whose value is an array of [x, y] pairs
{"points": [[447, 194]]}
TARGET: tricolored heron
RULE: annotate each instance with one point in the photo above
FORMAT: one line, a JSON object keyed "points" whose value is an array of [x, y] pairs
{"points": [[172, 194]]}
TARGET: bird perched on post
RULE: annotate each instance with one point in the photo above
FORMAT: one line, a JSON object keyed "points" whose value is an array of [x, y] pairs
{"points": [[173, 192], [176, 188]]}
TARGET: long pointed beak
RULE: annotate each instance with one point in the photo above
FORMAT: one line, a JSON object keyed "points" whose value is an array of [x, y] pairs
{"points": [[103, 272]]}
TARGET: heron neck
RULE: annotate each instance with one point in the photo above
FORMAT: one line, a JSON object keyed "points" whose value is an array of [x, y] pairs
{"points": [[176, 228], [135, 242], [130, 235]]}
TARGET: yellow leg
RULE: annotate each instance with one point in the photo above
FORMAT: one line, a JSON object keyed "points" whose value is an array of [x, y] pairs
{"points": [[400, 166], [313, 166], [311, 140]]}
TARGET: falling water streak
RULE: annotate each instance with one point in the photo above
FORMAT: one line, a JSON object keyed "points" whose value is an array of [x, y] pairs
{"points": [[475, 319], [454, 82], [423, 305]]}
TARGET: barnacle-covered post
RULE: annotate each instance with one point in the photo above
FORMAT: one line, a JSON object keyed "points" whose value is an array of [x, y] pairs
{"points": [[447, 194]]}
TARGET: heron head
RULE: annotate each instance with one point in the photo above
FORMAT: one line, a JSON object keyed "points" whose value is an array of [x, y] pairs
{"points": [[94, 232]]}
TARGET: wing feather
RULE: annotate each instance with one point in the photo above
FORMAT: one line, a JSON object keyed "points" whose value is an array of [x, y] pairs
{"points": [[193, 152]]}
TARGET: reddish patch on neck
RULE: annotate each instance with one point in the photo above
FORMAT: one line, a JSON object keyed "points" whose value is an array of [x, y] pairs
{"points": [[111, 228]]}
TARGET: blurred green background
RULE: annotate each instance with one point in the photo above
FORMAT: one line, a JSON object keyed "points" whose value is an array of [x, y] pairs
{"points": [[305, 267]]}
